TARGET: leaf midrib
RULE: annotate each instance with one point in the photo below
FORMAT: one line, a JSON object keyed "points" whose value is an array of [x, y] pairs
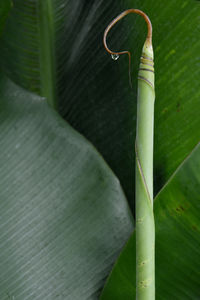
{"points": [[47, 51]]}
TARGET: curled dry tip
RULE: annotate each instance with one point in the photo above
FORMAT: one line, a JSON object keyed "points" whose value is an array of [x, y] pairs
{"points": [[123, 14], [114, 54]]}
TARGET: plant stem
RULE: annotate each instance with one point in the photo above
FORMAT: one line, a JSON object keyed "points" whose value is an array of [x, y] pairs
{"points": [[145, 229]]}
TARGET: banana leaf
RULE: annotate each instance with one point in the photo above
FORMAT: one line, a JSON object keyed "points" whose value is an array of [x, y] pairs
{"points": [[63, 215], [5, 6], [59, 232]]}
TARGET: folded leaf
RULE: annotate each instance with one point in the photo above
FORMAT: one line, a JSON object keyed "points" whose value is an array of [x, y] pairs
{"points": [[177, 241], [63, 215]]}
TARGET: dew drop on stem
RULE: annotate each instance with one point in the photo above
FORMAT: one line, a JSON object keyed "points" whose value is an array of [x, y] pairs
{"points": [[114, 56]]}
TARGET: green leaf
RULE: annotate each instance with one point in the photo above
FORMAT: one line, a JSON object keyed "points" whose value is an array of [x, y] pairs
{"points": [[5, 6], [94, 91], [177, 241], [64, 217], [80, 68]]}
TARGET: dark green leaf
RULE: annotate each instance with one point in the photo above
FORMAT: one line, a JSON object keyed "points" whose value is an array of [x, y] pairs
{"points": [[5, 6], [84, 81], [177, 241], [64, 217]]}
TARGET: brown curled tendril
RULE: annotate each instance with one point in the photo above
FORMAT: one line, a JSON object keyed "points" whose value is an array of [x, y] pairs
{"points": [[123, 14]]}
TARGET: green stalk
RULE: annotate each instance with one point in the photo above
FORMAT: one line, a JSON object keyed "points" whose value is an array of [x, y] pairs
{"points": [[145, 229]]}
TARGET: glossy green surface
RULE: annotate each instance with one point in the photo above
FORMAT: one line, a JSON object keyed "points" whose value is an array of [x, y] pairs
{"points": [[177, 241], [63, 215]]}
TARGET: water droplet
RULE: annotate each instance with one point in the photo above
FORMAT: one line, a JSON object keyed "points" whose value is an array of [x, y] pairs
{"points": [[114, 56]]}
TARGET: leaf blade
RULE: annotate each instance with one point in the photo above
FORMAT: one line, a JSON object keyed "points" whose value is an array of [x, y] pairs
{"points": [[60, 233], [5, 7]]}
